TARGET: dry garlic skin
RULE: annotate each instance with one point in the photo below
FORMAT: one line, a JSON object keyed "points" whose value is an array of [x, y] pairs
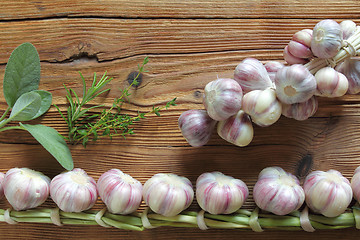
{"points": [[196, 127], [168, 194], [278, 192], [300, 111], [25, 188], [252, 75], [217, 193], [222, 98], [328, 193], [262, 106], [355, 184], [237, 129], [73, 191], [294, 84], [330, 83], [121, 193]]}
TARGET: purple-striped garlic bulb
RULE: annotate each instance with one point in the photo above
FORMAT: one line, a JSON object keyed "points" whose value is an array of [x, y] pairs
{"points": [[328, 193], [251, 74], [327, 39], [294, 84], [237, 129], [355, 184], [121, 193], [278, 191], [298, 50], [330, 83], [217, 193], [196, 127], [272, 67], [73, 191], [168, 194], [222, 98], [25, 188], [2, 176], [348, 28], [300, 111], [262, 106], [351, 69]]}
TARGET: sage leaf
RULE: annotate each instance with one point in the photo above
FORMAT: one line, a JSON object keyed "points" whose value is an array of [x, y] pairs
{"points": [[22, 73], [26, 107], [46, 100], [53, 142]]}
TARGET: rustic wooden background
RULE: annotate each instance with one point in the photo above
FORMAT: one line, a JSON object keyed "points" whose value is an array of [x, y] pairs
{"points": [[189, 43]]}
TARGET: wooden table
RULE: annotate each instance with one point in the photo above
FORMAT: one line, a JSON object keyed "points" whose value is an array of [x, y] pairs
{"points": [[189, 43]]}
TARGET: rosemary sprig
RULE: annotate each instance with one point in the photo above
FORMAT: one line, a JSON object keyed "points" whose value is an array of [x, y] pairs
{"points": [[84, 126]]}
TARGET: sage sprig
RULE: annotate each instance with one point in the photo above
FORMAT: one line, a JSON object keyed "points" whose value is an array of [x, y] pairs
{"points": [[26, 102]]}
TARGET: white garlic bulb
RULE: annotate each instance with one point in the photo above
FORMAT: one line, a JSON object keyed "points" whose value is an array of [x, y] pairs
{"points": [[2, 176], [196, 126], [168, 194], [217, 193], [327, 39], [262, 106], [222, 98], [73, 191], [355, 184], [300, 44], [328, 193], [237, 129], [121, 193], [25, 188], [351, 69], [294, 84], [252, 75], [330, 83], [291, 59], [272, 67], [300, 111], [348, 28], [278, 192]]}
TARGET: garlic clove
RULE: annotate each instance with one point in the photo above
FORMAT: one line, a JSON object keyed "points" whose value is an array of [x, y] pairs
{"points": [[237, 129], [196, 126], [168, 194], [272, 67], [252, 75], [217, 193], [299, 50], [222, 98], [73, 191], [328, 193], [2, 177], [355, 184], [304, 37], [262, 106], [300, 111], [121, 193], [278, 192], [294, 84], [348, 28], [25, 188], [330, 83], [351, 69], [291, 59], [327, 39]]}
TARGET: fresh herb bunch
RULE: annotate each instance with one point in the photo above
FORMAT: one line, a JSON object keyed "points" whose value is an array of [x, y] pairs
{"points": [[26, 102], [84, 126]]}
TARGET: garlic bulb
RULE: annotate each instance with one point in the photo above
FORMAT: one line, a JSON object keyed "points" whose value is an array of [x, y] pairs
{"points": [[262, 106], [73, 191], [351, 69], [2, 176], [252, 75], [330, 83], [327, 39], [237, 129], [25, 188], [168, 194], [328, 193], [121, 193], [272, 67], [217, 193], [348, 28], [294, 84], [300, 111], [278, 192], [291, 59], [222, 98], [300, 44], [355, 184], [196, 126]]}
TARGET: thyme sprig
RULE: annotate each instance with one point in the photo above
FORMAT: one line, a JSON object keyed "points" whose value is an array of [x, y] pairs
{"points": [[85, 126]]}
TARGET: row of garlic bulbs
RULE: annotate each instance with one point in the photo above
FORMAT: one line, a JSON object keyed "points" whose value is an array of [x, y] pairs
{"points": [[276, 191], [260, 93]]}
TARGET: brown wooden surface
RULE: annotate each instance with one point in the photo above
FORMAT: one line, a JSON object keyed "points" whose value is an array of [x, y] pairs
{"points": [[189, 43]]}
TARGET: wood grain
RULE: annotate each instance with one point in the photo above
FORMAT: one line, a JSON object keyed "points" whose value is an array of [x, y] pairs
{"points": [[189, 43]]}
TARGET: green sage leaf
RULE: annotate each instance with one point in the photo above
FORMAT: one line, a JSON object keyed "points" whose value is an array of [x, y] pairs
{"points": [[53, 142], [26, 107], [22, 73], [46, 100]]}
